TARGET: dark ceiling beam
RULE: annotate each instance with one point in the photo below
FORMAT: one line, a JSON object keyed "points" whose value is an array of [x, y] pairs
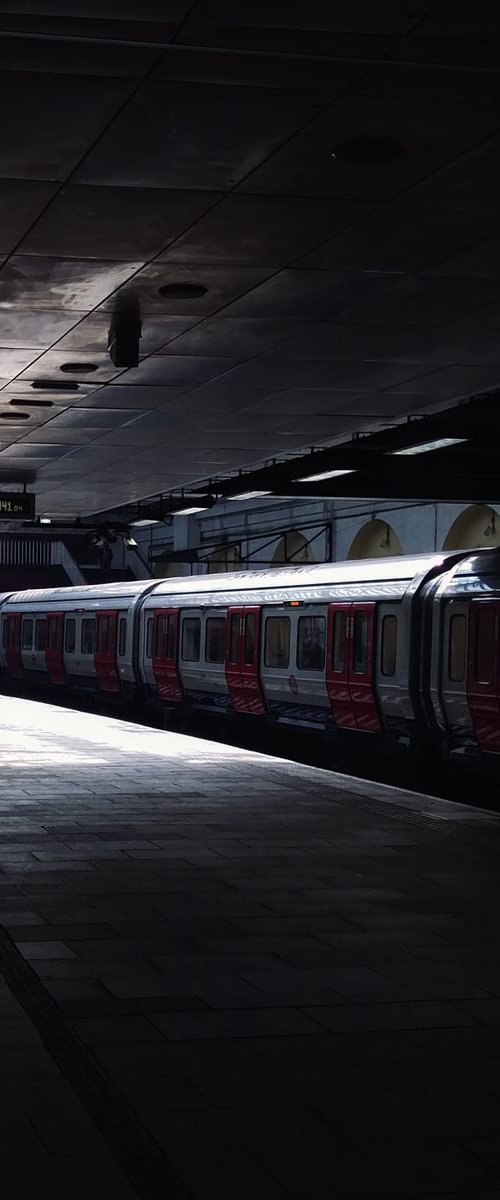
{"points": [[400, 485]]}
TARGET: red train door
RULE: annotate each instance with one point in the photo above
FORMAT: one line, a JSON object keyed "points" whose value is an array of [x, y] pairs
{"points": [[13, 650], [249, 660], [165, 642], [242, 660], [483, 672], [54, 648], [236, 688], [337, 669], [105, 652], [361, 667], [349, 674]]}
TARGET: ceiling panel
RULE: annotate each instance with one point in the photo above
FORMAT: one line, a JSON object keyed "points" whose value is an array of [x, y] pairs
{"points": [[52, 119], [194, 136]]}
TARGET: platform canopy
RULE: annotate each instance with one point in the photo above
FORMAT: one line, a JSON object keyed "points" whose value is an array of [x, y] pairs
{"points": [[299, 199]]}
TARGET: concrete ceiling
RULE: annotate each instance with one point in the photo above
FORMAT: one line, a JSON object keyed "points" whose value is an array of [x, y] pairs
{"points": [[328, 171]]}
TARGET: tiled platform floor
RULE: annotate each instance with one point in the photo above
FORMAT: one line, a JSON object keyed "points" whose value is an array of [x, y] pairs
{"points": [[254, 980]]}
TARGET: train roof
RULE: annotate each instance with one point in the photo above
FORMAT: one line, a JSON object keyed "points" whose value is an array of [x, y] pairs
{"points": [[376, 570]]}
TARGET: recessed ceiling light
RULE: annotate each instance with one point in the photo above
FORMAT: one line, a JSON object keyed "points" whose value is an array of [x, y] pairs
{"points": [[324, 475], [247, 495], [14, 416], [183, 291], [143, 522], [54, 385], [368, 151], [79, 368], [423, 447], [33, 403], [45, 520]]}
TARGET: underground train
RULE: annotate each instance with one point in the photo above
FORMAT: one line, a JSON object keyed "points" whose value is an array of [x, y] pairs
{"points": [[389, 654]]}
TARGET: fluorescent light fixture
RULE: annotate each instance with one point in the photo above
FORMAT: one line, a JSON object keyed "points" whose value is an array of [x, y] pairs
{"points": [[324, 475], [423, 447], [248, 495], [45, 520], [142, 523], [187, 512]]}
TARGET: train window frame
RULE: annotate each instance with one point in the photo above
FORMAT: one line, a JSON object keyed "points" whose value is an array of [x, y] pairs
{"points": [[69, 635], [360, 660], [312, 619], [339, 642], [272, 623], [389, 648], [86, 634], [122, 637], [215, 650], [187, 623], [484, 654], [250, 640], [25, 644], [453, 675], [40, 637]]}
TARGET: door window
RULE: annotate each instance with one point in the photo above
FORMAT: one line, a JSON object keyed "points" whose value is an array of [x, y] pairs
{"points": [[40, 635], [87, 636], [171, 638], [249, 640], [149, 637], [27, 635], [339, 640], [122, 636], [69, 635], [360, 643], [277, 643], [311, 643], [234, 638], [388, 648], [457, 648], [485, 638], [215, 639], [191, 637]]}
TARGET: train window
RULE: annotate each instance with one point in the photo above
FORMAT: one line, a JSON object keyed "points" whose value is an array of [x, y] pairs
{"points": [[171, 638], [122, 636], [277, 645], [311, 643], [87, 636], [27, 635], [149, 637], [339, 637], [234, 638], [457, 648], [215, 640], [388, 646], [5, 632], [70, 635], [40, 635], [485, 658], [249, 640], [360, 643], [191, 635]]}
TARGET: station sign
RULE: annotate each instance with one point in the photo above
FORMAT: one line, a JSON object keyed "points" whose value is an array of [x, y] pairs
{"points": [[17, 506]]}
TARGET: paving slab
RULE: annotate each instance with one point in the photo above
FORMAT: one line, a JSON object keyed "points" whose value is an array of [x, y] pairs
{"points": [[223, 974]]}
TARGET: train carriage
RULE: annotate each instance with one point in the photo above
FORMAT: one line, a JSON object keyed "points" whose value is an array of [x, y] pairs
{"points": [[389, 653]]}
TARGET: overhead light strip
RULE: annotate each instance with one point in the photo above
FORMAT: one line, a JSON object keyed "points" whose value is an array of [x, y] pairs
{"points": [[324, 475], [424, 447]]}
